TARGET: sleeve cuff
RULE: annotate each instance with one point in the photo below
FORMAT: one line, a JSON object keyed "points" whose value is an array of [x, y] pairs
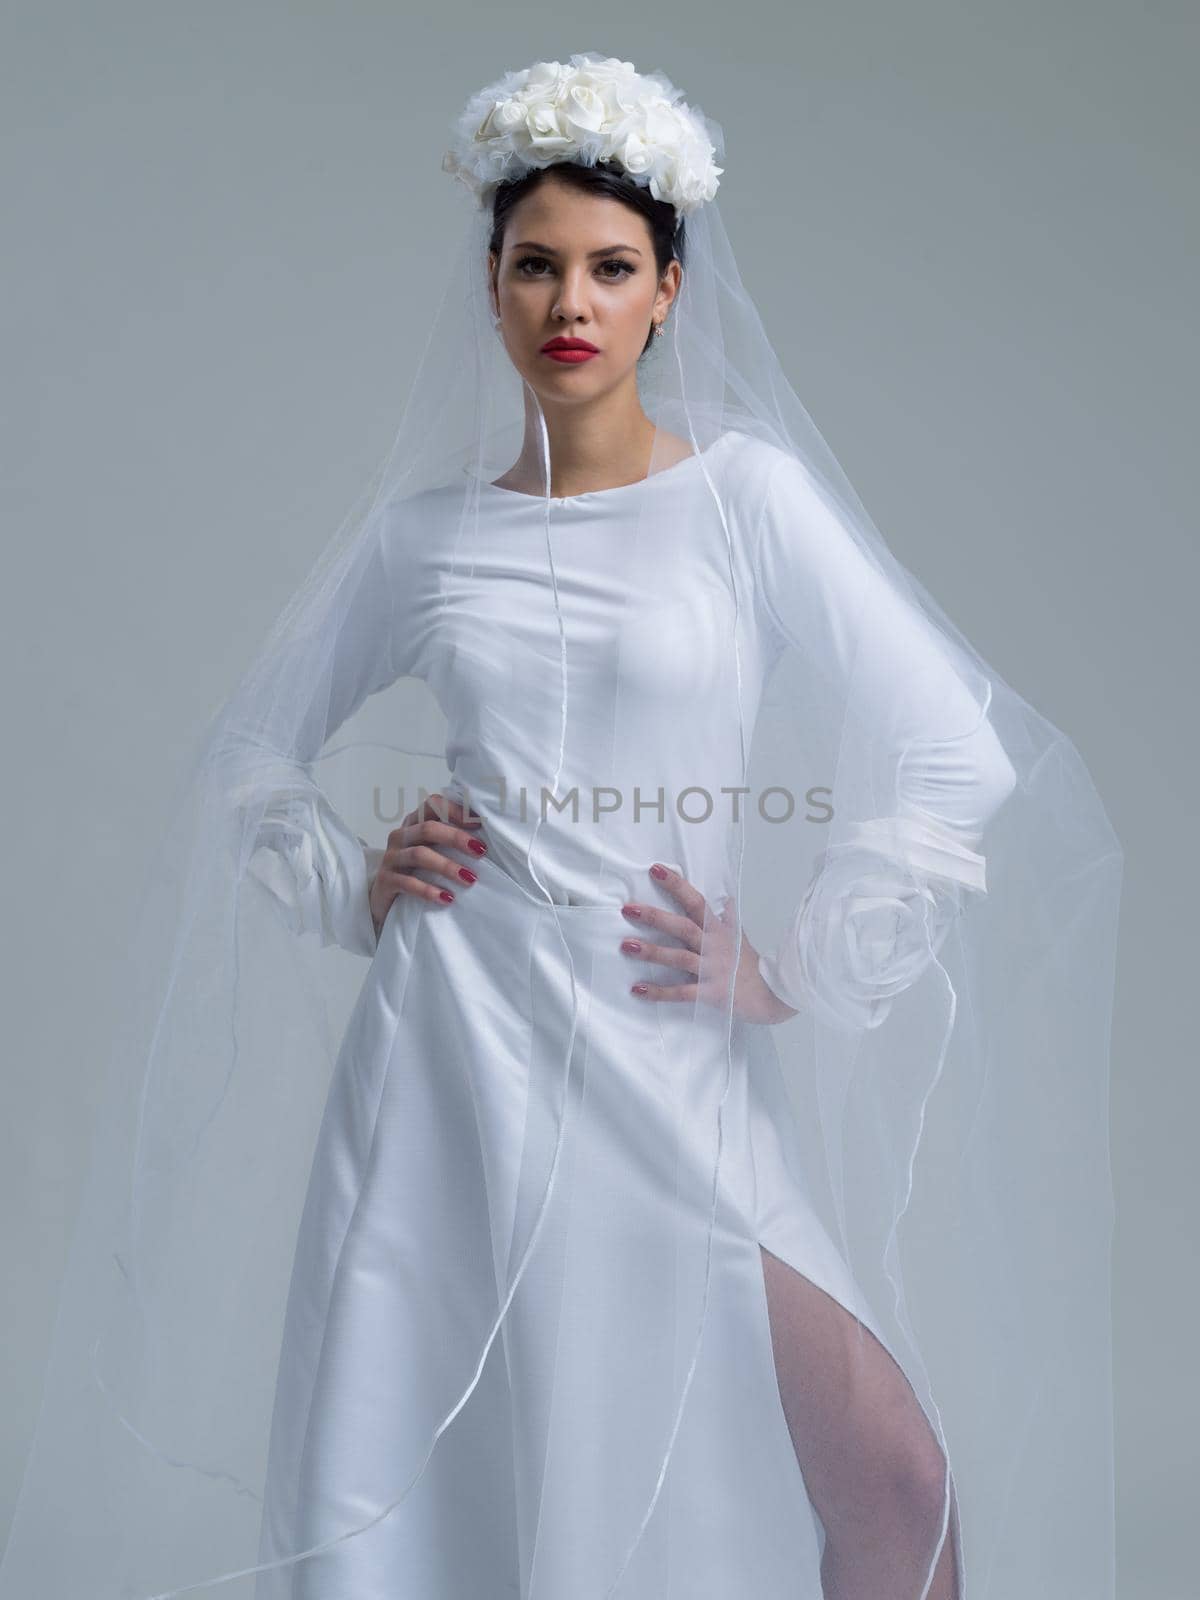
{"points": [[345, 889], [872, 920], [320, 874]]}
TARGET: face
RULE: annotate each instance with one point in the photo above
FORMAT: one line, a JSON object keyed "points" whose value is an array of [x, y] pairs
{"points": [[577, 266]]}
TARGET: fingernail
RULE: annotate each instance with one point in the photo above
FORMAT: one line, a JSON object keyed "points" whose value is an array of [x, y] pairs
{"points": [[631, 911], [638, 988], [478, 846], [631, 944], [658, 872], [466, 874], [447, 894]]}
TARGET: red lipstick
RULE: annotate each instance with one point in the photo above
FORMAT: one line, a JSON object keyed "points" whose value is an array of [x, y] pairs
{"points": [[572, 351]]}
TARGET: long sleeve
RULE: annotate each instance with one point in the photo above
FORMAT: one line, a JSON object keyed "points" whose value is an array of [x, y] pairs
{"points": [[923, 766], [303, 852]]}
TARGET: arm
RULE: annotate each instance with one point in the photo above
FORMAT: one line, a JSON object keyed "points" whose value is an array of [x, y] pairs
{"points": [[303, 852], [918, 742]]}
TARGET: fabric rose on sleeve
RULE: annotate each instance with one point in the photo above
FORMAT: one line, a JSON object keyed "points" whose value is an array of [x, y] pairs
{"points": [[867, 928]]}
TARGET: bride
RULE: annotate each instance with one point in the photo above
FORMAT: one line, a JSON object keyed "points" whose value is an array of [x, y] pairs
{"points": [[564, 1247]]}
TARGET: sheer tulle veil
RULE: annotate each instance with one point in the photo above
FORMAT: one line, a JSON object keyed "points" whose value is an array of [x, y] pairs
{"points": [[946, 938]]}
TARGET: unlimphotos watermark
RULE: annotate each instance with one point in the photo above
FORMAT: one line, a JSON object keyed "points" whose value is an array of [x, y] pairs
{"points": [[694, 803]]}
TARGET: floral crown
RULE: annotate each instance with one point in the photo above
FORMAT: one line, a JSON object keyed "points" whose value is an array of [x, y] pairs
{"points": [[595, 108]]}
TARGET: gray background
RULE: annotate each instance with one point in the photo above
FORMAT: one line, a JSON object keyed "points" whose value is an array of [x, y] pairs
{"points": [[970, 230]]}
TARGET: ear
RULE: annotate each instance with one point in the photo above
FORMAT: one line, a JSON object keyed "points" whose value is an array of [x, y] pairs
{"points": [[667, 290]]}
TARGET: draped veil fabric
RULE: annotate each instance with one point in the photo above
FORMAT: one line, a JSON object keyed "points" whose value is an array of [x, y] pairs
{"points": [[429, 1263]]}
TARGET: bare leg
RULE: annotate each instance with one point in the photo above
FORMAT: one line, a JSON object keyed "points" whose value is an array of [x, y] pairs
{"points": [[871, 1462]]}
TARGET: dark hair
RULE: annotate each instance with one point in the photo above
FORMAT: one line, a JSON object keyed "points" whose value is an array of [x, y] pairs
{"points": [[606, 179]]}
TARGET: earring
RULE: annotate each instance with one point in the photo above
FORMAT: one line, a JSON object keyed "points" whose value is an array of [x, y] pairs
{"points": [[658, 330]]}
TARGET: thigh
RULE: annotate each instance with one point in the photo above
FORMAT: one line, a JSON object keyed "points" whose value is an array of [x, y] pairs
{"points": [[855, 1421]]}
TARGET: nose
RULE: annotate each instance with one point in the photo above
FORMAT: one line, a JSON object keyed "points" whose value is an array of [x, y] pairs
{"points": [[572, 302]]}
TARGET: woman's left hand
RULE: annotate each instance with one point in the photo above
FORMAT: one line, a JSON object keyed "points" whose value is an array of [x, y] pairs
{"points": [[709, 939]]}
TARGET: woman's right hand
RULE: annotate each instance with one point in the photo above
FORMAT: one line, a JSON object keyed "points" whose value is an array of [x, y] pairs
{"points": [[415, 844]]}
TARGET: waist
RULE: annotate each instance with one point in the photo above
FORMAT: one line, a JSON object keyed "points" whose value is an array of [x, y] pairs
{"points": [[546, 882]]}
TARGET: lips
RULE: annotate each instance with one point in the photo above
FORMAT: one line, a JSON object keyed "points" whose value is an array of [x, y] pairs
{"points": [[569, 352]]}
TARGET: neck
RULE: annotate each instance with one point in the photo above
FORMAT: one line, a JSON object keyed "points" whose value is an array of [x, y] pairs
{"points": [[591, 447]]}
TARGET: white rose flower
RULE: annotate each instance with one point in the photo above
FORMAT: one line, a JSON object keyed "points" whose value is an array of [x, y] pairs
{"points": [[591, 108], [546, 130], [548, 79], [612, 73], [584, 110], [510, 114], [865, 931], [634, 155]]}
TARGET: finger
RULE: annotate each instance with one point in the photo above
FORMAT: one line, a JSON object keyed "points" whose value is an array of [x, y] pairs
{"points": [[671, 922], [441, 808], [665, 991], [421, 890], [685, 893], [431, 831], [665, 955], [431, 806], [424, 855]]}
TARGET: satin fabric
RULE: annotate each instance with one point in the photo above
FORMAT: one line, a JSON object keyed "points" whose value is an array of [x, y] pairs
{"points": [[429, 1164], [438, 1136]]}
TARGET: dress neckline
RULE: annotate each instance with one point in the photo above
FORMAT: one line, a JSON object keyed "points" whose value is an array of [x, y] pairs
{"points": [[588, 495]]}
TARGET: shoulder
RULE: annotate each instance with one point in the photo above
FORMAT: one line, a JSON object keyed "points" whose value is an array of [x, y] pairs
{"points": [[414, 524], [770, 494], [757, 471], [415, 507], [747, 458]]}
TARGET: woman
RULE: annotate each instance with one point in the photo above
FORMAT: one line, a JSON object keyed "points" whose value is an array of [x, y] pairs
{"points": [[567, 1279]]}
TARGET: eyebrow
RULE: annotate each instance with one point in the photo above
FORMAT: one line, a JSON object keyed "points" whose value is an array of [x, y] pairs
{"points": [[606, 250]]}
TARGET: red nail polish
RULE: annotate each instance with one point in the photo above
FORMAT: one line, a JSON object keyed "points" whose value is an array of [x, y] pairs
{"points": [[466, 874], [630, 944], [639, 988], [658, 872], [631, 911], [477, 845], [447, 894]]}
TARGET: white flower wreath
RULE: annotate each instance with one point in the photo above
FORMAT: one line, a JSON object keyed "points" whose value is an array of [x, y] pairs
{"points": [[593, 108]]}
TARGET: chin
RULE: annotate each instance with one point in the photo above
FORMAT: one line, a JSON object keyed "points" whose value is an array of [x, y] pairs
{"points": [[559, 383]]}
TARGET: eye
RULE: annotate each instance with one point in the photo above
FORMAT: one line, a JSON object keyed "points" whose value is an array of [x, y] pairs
{"points": [[624, 267]]}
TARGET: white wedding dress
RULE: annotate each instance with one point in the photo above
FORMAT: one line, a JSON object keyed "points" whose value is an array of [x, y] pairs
{"points": [[440, 1123]]}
